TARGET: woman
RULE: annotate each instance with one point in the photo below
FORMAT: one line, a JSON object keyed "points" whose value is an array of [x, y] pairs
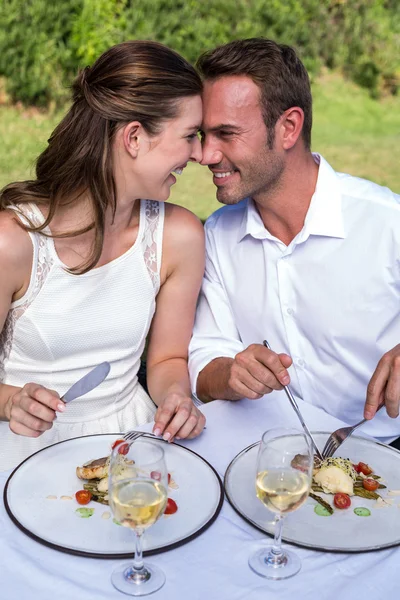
{"points": [[92, 261]]}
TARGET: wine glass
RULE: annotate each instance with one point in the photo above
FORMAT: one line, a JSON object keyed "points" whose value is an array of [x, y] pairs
{"points": [[138, 484], [283, 480]]}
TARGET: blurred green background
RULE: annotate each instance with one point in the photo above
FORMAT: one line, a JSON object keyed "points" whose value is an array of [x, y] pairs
{"points": [[351, 49]]}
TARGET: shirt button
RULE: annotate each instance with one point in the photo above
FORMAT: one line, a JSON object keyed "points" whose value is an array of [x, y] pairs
{"points": [[289, 311], [301, 362]]}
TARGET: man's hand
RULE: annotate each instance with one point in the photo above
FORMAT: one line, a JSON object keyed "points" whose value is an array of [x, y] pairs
{"points": [[257, 371], [384, 386], [32, 410], [178, 418]]}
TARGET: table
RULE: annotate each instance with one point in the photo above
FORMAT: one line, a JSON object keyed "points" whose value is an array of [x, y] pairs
{"points": [[214, 565]]}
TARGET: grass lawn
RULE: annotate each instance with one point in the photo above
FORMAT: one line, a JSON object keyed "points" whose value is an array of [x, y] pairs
{"points": [[354, 133]]}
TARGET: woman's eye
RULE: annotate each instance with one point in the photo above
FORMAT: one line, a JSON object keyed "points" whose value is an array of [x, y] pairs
{"points": [[192, 136]]}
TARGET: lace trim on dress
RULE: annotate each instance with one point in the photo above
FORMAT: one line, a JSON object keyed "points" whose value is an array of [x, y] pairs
{"points": [[43, 266], [150, 249]]}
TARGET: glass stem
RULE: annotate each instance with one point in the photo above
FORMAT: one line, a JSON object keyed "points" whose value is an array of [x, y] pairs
{"points": [[138, 560], [276, 557], [277, 545]]}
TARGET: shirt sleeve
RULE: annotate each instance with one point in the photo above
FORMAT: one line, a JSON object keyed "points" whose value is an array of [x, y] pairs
{"points": [[215, 333]]}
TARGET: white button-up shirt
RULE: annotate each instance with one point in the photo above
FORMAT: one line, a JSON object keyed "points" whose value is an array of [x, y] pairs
{"points": [[331, 299]]}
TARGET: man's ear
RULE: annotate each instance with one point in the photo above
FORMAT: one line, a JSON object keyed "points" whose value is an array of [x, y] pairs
{"points": [[290, 126], [131, 136]]}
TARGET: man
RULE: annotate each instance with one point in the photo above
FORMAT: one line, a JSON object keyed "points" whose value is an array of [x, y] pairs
{"points": [[302, 256]]}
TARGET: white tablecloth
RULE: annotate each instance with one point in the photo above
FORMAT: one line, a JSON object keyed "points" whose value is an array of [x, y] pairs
{"points": [[214, 565]]}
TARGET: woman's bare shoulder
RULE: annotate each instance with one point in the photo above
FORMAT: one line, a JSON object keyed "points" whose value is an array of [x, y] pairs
{"points": [[182, 226], [15, 244], [183, 242]]}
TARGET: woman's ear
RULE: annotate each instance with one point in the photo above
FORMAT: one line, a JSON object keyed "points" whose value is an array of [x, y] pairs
{"points": [[131, 138]]}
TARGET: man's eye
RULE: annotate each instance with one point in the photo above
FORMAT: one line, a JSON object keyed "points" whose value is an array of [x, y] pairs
{"points": [[226, 133]]}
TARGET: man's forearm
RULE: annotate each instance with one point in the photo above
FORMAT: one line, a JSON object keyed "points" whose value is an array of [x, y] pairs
{"points": [[213, 381], [6, 391]]}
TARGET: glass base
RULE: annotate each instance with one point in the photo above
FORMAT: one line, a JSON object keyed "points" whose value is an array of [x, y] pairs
{"points": [[268, 565], [129, 582]]}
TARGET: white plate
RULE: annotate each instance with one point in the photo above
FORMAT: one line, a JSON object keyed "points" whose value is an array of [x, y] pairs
{"points": [[341, 532], [51, 472]]}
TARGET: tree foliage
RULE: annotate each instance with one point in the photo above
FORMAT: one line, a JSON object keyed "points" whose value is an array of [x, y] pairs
{"points": [[43, 44]]}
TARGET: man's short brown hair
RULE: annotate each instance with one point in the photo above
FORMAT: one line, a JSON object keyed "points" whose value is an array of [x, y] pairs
{"points": [[275, 68]]}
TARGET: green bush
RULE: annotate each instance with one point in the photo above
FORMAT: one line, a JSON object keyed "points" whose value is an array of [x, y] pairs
{"points": [[43, 43], [35, 55]]}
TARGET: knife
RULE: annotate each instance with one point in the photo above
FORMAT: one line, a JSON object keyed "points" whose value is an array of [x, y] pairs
{"points": [[88, 382], [297, 410]]}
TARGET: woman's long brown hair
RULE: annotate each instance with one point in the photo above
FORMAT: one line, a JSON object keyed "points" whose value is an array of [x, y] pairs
{"points": [[133, 81]]}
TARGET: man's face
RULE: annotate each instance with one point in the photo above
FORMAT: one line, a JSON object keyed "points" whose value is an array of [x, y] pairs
{"points": [[235, 145]]}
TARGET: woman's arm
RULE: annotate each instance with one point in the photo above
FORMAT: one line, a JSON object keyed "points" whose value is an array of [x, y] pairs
{"points": [[11, 285], [29, 409], [167, 372]]}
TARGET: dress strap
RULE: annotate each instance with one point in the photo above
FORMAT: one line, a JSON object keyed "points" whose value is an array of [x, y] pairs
{"points": [[42, 259], [152, 213]]}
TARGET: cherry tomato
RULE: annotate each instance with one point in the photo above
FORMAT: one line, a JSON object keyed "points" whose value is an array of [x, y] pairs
{"points": [[156, 475], [364, 468], [370, 484], [171, 507], [83, 496], [356, 468], [123, 448], [341, 500], [116, 443]]}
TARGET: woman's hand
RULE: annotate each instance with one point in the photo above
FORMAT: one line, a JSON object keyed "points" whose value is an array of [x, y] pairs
{"points": [[178, 418], [32, 410]]}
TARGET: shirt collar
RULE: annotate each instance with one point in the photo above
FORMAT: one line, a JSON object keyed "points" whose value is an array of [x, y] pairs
{"points": [[324, 216]]}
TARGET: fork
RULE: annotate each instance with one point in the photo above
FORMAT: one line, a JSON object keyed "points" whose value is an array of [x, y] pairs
{"points": [[131, 436], [337, 438]]}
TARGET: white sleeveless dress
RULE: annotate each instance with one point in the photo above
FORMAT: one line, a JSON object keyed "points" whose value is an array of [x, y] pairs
{"points": [[67, 324]]}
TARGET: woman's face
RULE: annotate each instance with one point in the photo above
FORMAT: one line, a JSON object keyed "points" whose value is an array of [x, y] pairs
{"points": [[166, 154]]}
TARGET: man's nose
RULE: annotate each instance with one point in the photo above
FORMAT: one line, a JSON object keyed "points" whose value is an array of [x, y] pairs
{"points": [[211, 154]]}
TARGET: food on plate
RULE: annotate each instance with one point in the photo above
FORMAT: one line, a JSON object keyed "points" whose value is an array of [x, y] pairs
{"points": [[363, 468], [83, 497], [370, 484], [84, 512], [322, 511], [323, 508], [341, 500], [344, 479], [94, 469], [95, 475], [336, 475], [361, 511], [171, 507]]}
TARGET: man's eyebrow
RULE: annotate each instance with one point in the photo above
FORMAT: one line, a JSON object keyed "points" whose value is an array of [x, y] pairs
{"points": [[223, 126]]}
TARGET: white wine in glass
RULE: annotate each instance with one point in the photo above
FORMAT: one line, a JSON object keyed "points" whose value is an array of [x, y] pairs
{"points": [[139, 503], [283, 480], [138, 484]]}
